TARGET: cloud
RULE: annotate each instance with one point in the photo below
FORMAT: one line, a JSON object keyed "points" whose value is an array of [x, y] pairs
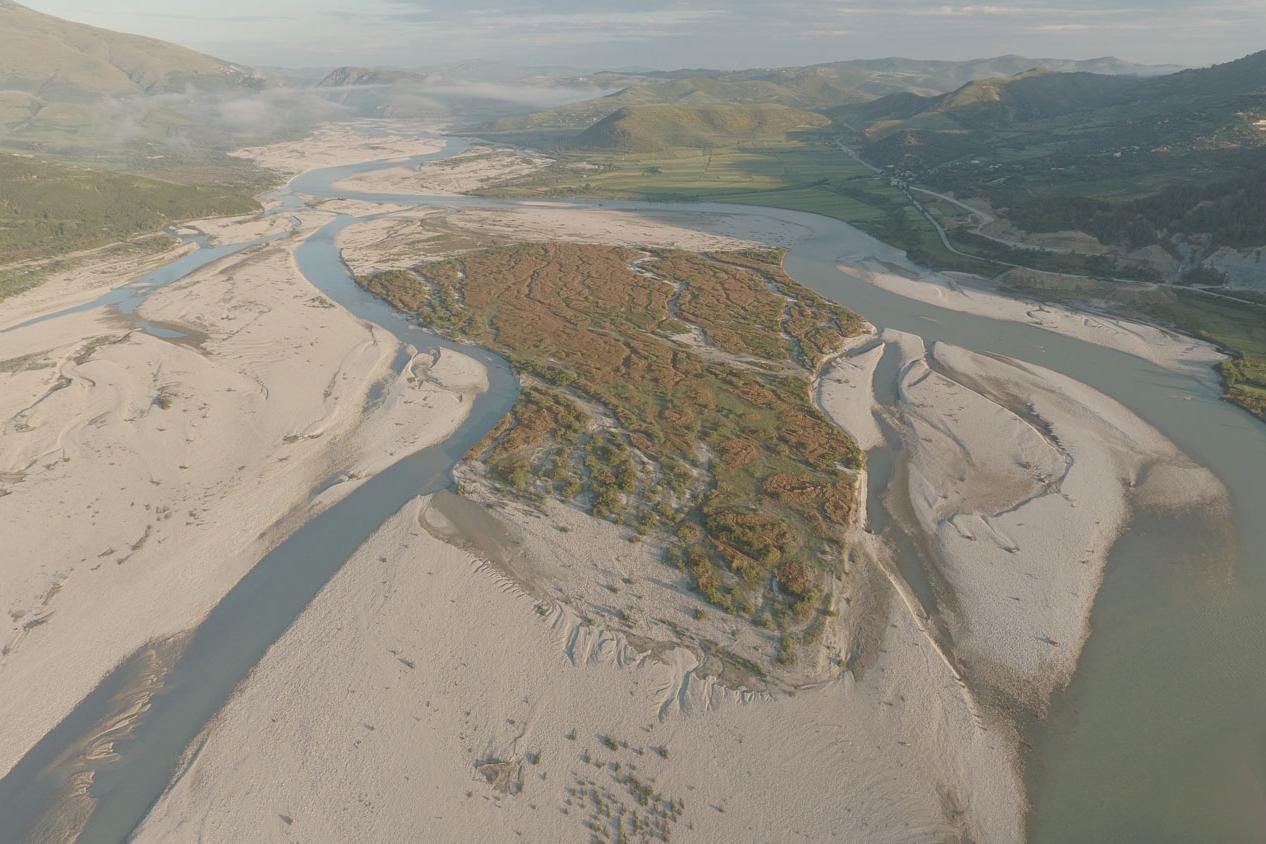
{"points": [[540, 24], [683, 33]]}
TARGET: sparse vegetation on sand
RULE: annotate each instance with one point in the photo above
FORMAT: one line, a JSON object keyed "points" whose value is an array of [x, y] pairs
{"points": [[667, 391], [23, 275]]}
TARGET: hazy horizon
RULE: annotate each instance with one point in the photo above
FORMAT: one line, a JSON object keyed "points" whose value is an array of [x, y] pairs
{"points": [[665, 34]]}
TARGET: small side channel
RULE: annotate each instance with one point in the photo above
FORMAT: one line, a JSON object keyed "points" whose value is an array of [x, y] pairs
{"points": [[881, 468]]}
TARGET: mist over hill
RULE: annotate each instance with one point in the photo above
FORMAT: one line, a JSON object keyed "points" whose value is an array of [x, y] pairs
{"points": [[88, 94], [56, 60], [85, 94]]}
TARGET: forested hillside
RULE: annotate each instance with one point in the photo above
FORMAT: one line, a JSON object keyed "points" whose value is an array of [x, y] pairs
{"points": [[49, 208], [1132, 161], [651, 128]]}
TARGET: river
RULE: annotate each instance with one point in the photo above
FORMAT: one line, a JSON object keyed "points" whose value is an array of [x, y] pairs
{"points": [[1160, 736]]}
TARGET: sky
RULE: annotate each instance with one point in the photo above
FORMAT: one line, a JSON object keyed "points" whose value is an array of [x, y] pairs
{"points": [[673, 33]]}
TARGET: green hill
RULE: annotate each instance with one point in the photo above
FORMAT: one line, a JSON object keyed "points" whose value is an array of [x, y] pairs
{"points": [[49, 208], [1239, 77], [658, 127], [1132, 160], [1208, 108], [62, 61], [1168, 174], [85, 94], [990, 103]]}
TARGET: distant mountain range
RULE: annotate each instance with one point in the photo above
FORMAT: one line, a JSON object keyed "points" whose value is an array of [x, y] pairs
{"points": [[820, 86], [1207, 107], [77, 90], [874, 77], [1025, 133], [377, 92], [1132, 160], [360, 76]]}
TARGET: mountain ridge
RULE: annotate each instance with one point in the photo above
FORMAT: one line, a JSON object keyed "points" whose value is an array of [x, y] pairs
{"points": [[819, 86], [1171, 108], [356, 75], [59, 60]]}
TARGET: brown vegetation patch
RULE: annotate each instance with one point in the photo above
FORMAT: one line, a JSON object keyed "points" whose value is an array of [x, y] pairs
{"points": [[505, 776], [733, 462]]}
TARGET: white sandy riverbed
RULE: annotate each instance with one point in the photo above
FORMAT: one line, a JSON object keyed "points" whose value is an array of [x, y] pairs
{"points": [[420, 663], [142, 476], [477, 168], [337, 144], [1164, 348], [1019, 480], [370, 719]]}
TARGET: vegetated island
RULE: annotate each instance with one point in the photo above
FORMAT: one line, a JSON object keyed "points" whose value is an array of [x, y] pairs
{"points": [[670, 392]]}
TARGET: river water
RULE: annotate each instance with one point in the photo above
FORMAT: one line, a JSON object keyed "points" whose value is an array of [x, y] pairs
{"points": [[126, 299], [1161, 735], [234, 636]]}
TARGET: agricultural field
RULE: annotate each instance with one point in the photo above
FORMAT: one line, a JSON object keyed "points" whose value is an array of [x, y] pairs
{"points": [[819, 178], [670, 392], [811, 174]]}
